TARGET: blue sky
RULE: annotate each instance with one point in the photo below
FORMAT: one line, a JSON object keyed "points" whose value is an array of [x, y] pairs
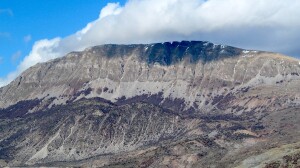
{"points": [[22, 22], [34, 31]]}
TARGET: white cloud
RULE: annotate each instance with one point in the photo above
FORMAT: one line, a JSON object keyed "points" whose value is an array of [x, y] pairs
{"points": [[42, 51], [258, 24], [27, 38], [16, 56], [11, 76], [110, 9]]}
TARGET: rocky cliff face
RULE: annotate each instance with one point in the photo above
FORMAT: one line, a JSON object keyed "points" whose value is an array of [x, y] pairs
{"points": [[197, 73], [186, 103]]}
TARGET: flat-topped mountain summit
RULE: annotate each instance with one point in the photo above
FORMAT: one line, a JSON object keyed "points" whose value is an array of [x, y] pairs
{"points": [[197, 73], [113, 105], [170, 53]]}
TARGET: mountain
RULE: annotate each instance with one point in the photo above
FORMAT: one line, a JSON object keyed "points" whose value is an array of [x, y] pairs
{"points": [[179, 104]]}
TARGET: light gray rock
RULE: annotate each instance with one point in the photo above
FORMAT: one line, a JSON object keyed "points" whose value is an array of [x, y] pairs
{"points": [[196, 72], [180, 104]]}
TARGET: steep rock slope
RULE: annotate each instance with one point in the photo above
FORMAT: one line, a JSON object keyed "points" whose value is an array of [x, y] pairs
{"points": [[186, 103], [194, 72]]}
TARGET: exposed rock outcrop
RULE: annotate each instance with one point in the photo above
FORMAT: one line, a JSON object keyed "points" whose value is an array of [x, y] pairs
{"points": [[182, 104]]}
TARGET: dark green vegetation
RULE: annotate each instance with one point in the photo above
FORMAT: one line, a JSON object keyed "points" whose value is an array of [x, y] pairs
{"points": [[288, 161], [131, 134], [180, 104]]}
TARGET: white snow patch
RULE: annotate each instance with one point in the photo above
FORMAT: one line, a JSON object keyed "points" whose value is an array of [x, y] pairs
{"points": [[246, 51], [214, 46], [248, 55], [222, 51], [206, 43], [187, 49]]}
